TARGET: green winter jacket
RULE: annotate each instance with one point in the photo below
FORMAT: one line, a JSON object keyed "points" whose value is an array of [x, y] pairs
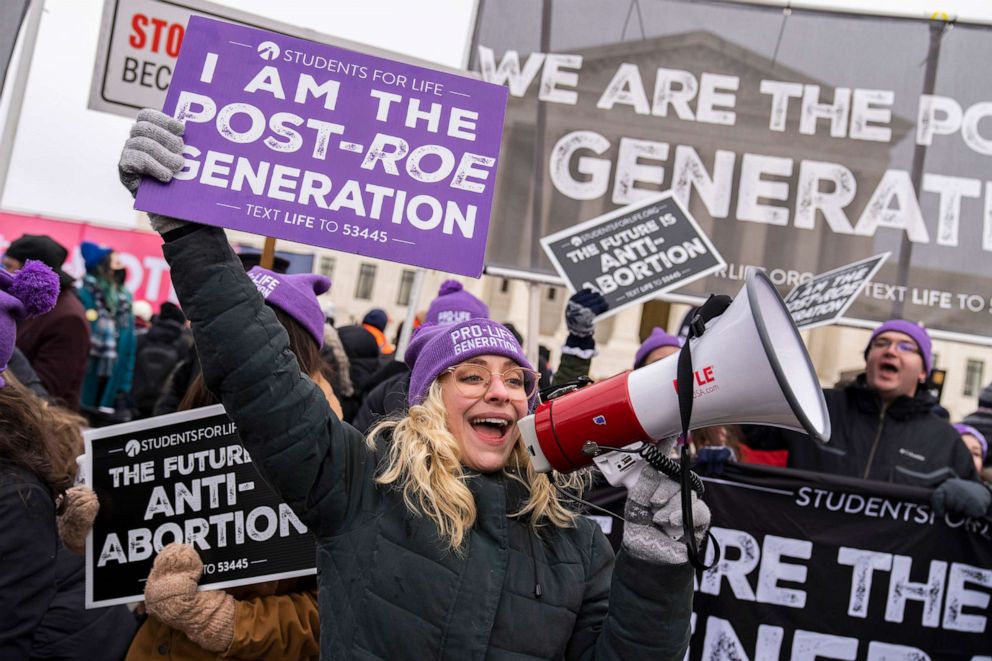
{"points": [[388, 586]]}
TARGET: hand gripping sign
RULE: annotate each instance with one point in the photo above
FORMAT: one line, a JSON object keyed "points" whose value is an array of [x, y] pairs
{"points": [[184, 477], [634, 253], [308, 142]]}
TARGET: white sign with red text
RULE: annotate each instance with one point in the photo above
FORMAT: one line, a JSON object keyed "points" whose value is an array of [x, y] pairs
{"points": [[140, 41]]}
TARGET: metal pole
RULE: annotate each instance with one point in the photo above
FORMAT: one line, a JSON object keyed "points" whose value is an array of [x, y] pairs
{"points": [[537, 202], [937, 29], [411, 313], [468, 57], [29, 37], [533, 319]]}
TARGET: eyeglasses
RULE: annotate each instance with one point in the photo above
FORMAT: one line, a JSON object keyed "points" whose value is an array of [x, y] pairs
{"points": [[473, 381], [902, 346]]}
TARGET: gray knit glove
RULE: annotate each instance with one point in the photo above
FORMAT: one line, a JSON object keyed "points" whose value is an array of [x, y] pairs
{"points": [[653, 520], [154, 149]]}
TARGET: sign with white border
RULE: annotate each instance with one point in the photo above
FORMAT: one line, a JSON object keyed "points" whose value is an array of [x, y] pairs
{"points": [[635, 253], [185, 477], [826, 297]]}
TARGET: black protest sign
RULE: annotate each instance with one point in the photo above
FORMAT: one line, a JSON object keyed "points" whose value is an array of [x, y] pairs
{"points": [[634, 253], [815, 566], [824, 298], [185, 477]]}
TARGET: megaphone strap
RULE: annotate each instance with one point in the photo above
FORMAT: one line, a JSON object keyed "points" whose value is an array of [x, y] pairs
{"points": [[713, 307]]}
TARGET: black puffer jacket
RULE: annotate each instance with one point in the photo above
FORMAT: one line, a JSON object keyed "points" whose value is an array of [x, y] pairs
{"points": [[364, 361], [387, 398], [902, 443], [389, 588], [28, 542]]}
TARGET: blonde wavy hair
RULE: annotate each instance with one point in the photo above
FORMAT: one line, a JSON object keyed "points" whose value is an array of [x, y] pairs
{"points": [[424, 462]]}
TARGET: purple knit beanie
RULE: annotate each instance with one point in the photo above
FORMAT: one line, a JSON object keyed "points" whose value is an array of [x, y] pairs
{"points": [[968, 429], [657, 339], [915, 331], [454, 305], [296, 295], [435, 348], [31, 291]]}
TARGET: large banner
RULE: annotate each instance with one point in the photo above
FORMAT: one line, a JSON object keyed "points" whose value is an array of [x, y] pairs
{"points": [[140, 252], [335, 148], [148, 274], [185, 477], [801, 142], [11, 15], [819, 567]]}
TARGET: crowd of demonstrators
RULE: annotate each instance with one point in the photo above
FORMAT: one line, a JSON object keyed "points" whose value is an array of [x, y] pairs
{"points": [[977, 445], [883, 427], [166, 343], [389, 393], [981, 421], [185, 372], [430, 477], [335, 356], [56, 344], [41, 581], [107, 380], [143, 317], [274, 619], [468, 543]]}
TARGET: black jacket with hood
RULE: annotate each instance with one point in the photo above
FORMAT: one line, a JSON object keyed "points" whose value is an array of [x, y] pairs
{"points": [[389, 587], [902, 442]]}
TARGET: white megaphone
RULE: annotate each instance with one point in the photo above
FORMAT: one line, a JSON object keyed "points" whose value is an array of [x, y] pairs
{"points": [[749, 367]]}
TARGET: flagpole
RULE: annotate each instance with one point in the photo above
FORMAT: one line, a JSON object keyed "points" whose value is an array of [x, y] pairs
{"points": [[29, 38]]}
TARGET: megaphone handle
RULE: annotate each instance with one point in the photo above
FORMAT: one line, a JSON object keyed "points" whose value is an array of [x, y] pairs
{"points": [[669, 467]]}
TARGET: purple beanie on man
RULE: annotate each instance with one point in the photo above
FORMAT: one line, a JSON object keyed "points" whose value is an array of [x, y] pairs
{"points": [[296, 295], [30, 292], [454, 305], [435, 348], [915, 331]]}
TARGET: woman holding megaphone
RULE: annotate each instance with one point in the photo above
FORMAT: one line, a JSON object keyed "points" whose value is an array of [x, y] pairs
{"points": [[436, 538]]}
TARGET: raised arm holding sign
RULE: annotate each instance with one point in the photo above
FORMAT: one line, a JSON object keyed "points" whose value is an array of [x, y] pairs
{"points": [[435, 537], [304, 141]]}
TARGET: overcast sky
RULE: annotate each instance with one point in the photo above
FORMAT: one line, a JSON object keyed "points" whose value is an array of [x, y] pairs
{"points": [[65, 156]]}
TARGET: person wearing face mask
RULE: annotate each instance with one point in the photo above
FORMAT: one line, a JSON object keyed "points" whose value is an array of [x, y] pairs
{"points": [[883, 428], [436, 538], [110, 367]]}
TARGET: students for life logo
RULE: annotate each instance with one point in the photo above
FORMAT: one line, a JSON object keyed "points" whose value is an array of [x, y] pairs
{"points": [[268, 50], [132, 447]]}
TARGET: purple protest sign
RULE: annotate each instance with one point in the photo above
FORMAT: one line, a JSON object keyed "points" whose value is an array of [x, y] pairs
{"points": [[308, 142]]}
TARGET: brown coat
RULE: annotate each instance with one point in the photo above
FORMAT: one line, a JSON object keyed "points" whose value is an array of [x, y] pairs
{"points": [[57, 344], [266, 626]]}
